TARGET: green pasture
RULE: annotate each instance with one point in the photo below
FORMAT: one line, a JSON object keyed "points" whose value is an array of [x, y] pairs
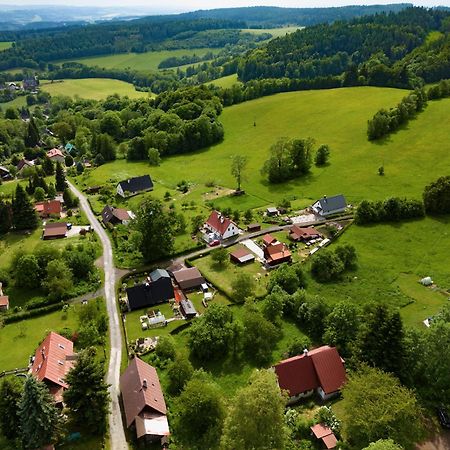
{"points": [[392, 258], [92, 88], [18, 102], [225, 82], [5, 45], [275, 32], [140, 61]]}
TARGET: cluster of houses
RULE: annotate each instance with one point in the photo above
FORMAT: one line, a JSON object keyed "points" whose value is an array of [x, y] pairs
{"points": [[162, 287], [29, 84]]}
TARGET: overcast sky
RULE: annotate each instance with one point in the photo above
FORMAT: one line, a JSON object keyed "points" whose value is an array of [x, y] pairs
{"points": [[190, 5]]}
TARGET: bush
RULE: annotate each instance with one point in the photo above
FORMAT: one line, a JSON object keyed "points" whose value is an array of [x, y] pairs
{"points": [[392, 209], [436, 196]]}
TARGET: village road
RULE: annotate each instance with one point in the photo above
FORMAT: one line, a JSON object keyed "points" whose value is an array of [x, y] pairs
{"points": [[116, 430]]}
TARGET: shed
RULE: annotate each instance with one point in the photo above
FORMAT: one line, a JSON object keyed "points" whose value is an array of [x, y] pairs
{"points": [[188, 309], [188, 278], [55, 231], [242, 256], [253, 227], [325, 434], [272, 211]]}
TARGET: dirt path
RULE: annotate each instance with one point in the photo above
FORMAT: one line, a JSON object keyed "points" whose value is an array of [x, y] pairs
{"points": [[439, 442], [116, 430]]}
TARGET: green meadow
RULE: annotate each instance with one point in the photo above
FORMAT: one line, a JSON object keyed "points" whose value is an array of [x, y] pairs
{"points": [[5, 45], [140, 61], [225, 82], [275, 32], [92, 88]]}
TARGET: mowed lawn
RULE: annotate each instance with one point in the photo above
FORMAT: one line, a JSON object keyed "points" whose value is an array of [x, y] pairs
{"points": [[141, 61], [92, 88], [392, 258], [412, 157], [275, 32], [225, 82], [5, 45]]}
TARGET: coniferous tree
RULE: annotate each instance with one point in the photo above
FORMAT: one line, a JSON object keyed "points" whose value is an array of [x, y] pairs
{"points": [[32, 137], [24, 215], [5, 216], [87, 396], [10, 394], [60, 178], [39, 416], [47, 166]]}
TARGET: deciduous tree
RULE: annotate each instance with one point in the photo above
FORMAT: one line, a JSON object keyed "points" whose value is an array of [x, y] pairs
{"points": [[238, 165]]}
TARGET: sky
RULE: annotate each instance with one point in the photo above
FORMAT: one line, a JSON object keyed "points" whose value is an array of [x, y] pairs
{"points": [[190, 5]]}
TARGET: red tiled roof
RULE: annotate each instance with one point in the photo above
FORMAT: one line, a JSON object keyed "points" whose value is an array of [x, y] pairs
{"points": [[277, 252], [121, 214], [268, 239], [320, 430], [330, 441], [321, 367], [329, 368], [54, 152], [296, 375], [48, 207], [241, 252], [304, 232], [218, 222], [51, 362], [135, 396], [4, 300]]}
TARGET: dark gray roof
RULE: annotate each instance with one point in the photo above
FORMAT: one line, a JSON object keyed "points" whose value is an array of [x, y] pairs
{"points": [[137, 184], [329, 204], [148, 294], [188, 308], [159, 273]]}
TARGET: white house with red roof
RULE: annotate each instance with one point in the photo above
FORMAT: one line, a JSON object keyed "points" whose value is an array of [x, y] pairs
{"points": [[52, 362], [56, 155], [320, 370], [220, 227]]}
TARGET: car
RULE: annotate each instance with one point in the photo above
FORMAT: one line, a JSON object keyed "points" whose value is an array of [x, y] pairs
{"points": [[214, 243], [444, 417]]}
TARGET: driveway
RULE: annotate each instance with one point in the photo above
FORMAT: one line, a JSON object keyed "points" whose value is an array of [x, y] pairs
{"points": [[116, 427]]}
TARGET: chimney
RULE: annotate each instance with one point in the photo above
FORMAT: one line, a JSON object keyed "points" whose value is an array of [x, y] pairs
{"points": [[144, 383], [324, 198]]}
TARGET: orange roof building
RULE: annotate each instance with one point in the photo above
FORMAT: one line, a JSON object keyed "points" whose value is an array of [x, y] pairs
{"points": [[52, 362], [325, 434], [49, 208], [297, 233], [277, 253], [321, 370]]}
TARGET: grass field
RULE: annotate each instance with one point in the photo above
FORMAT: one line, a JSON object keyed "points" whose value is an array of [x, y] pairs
{"points": [[392, 258], [275, 32], [140, 61], [5, 45], [18, 102], [92, 88], [225, 82]]}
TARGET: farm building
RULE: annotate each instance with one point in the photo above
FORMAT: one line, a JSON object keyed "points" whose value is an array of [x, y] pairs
{"points": [[277, 253], [134, 186], [327, 206], [143, 402], [187, 309], [116, 216], [297, 233], [52, 362], [321, 370], [220, 227], [324, 434], [56, 155], [48, 208], [190, 278], [242, 256], [55, 231], [155, 290]]}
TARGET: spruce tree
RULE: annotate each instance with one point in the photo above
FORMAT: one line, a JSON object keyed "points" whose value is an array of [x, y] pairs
{"points": [[5, 216], [60, 178], [47, 166], [24, 215], [10, 394], [87, 396], [38, 415], [32, 137]]}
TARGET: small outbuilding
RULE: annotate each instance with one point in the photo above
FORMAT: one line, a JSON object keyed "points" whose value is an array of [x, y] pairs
{"points": [[253, 227], [187, 309], [190, 278], [272, 211], [55, 231], [325, 434], [242, 256]]}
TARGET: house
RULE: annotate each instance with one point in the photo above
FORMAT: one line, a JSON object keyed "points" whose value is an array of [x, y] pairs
{"points": [[220, 227], [70, 149], [327, 206], [5, 174], [325, 434], [52, 362], [143, 401], [115, 216], [156, 289], [4, 300], [242, 256], [306, 234], [24, 164], [55, 231], [134, 186], [272, 211], [190, 278], [48, 208], [30, 84], [268, 240], [56, 155], [187, 309], [277, 253], [321, 370]]}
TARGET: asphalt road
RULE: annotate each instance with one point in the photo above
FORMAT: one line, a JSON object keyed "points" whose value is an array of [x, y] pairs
{"points": [[116, 430]]}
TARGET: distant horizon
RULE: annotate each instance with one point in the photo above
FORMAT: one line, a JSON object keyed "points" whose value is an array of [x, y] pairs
{"points": [[180, 6]]}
